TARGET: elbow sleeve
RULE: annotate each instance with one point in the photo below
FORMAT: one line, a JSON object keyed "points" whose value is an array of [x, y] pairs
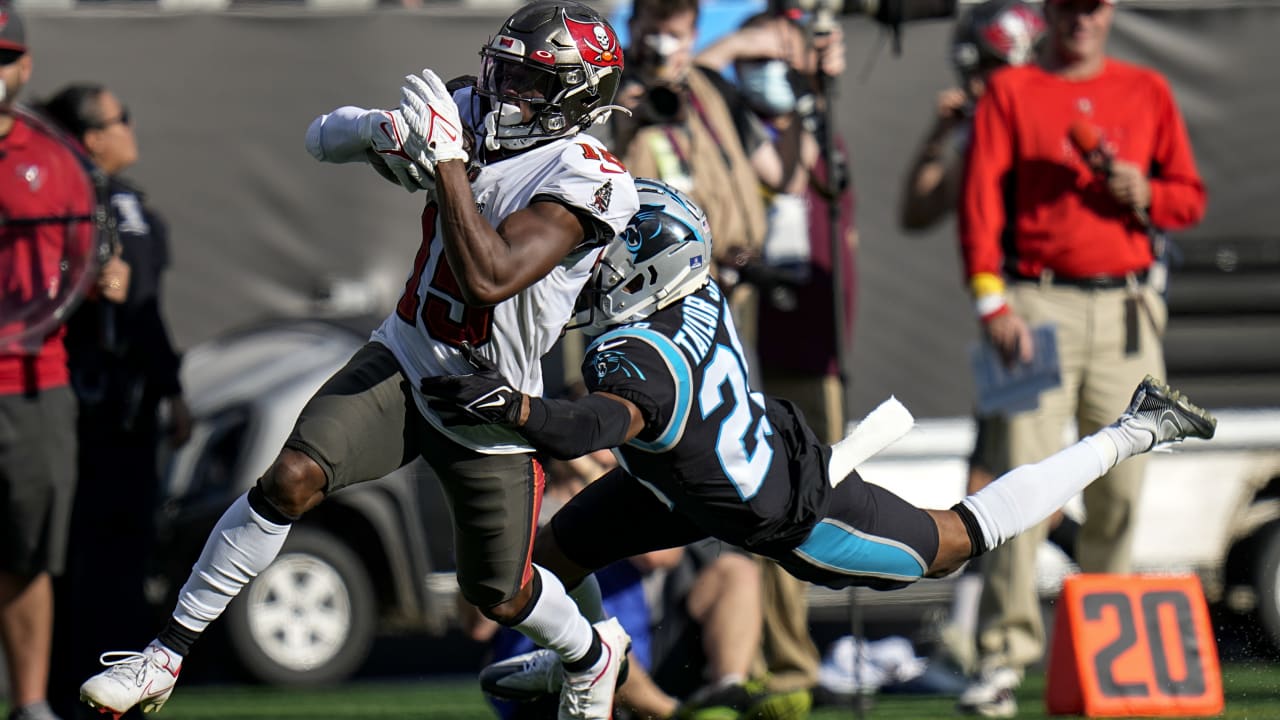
{"points": [[566, 429], [337, 137]]}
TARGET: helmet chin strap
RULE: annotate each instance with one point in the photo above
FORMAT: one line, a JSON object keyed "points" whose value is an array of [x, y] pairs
{"points": [[600, 115]]}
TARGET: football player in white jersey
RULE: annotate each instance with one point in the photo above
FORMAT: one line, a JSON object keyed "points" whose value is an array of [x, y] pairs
{"points": [[512, 227]]}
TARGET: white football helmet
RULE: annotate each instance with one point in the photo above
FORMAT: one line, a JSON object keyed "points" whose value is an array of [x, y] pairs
{"points": [[663, 255]]}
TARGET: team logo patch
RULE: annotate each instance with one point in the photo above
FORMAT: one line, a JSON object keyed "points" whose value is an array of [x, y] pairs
{"points": [[33, 174], [615, 361], [132, 219], [604, 195], [596, 43], [695, 262]]}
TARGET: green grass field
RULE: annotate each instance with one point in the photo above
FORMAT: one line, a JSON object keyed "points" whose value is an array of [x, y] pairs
{"points": [[1252, 691]]}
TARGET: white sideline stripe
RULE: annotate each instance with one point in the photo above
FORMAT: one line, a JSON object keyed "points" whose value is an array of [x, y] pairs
{"points": [[877, 431]]}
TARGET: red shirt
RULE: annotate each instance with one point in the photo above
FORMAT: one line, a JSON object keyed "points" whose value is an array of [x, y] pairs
{"points": [[1022, 168], [39, 177]]}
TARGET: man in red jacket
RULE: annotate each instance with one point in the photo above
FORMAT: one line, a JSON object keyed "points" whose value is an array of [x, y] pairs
{"points": [[1051, 235], [45, 204]]}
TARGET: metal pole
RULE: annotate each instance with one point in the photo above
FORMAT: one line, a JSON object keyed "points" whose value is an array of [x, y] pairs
{"points": [[836, 184]]}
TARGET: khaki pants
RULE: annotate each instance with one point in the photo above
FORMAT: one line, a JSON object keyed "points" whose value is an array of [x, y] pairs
{"points": [[1098, 379], [790, 657]]}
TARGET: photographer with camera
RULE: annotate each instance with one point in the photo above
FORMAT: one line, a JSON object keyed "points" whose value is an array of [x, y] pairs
{"points": [[686, 129], [990, 36]]}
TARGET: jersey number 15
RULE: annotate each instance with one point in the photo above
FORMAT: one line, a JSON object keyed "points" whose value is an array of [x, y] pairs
{"points": [[444, 297]]}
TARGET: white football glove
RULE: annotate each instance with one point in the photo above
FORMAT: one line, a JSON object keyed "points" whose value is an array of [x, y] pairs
{"points": [[435, 131], [386, 132]]}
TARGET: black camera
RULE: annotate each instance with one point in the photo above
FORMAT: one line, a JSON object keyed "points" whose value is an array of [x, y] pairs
{"points": [[662, 103], [652, 68]]}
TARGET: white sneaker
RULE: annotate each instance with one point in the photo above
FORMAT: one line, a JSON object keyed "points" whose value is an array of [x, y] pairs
{"points": [[524, 677], [142, 678], [991, 695], [589, 695]]}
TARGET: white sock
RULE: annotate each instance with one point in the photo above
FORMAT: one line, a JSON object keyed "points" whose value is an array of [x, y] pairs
{"points": [[555, 622], [731, 679], [242, 544], [1127, 441], [589, 598], [1023, 497]]}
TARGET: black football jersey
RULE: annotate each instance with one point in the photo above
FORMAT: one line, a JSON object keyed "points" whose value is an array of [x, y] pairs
{"points": [[743, 467]]}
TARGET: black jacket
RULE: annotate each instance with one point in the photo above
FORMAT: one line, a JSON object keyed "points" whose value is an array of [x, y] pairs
{"points": [[121, 359]]}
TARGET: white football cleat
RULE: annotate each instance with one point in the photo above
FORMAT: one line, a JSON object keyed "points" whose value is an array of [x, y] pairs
{"points": [[991, 694], [524, 677], [589, 695], [145, 679]]}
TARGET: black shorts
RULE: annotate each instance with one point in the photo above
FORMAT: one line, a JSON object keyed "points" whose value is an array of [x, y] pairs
{"points": [[363, 423], [37, 480], [869, 537], [617, 517]]}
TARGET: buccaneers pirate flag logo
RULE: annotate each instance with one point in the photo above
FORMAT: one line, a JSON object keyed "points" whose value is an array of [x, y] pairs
{"points": [[596, 43]]}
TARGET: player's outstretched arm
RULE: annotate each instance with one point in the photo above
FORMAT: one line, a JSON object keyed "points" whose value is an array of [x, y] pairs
{"points": [[354, 134], [563, 429]]}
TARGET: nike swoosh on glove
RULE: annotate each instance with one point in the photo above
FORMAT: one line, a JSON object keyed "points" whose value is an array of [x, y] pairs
{"points": [[481, 398], [386, 131], [436, 133]]}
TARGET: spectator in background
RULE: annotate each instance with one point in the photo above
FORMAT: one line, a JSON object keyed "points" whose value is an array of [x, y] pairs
{"points": [[685, 129], [989, 36], [46, 201], [123, 370], [1050, 237], [777, 68]]}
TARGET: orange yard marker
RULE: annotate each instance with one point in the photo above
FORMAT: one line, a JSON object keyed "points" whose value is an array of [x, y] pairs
{"points": [[1133, 645]]}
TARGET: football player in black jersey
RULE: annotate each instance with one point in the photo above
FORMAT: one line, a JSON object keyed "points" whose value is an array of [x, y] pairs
{"points": [[702, 454]]}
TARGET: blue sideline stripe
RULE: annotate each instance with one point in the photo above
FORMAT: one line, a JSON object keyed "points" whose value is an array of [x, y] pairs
{"points": [[842, 549]]}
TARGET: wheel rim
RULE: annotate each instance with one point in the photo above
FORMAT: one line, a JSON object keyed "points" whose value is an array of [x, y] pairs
{"points": [[299, 612]]}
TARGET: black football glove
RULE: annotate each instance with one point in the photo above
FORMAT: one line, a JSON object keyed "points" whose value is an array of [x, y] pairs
{"points": [[481, 398]]}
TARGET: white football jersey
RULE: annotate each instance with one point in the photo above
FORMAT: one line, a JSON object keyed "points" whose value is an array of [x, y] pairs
{"points": [[431, 319]]}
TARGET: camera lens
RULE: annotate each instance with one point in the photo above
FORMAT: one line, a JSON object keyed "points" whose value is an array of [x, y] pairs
{"points": [[664, 102]]}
